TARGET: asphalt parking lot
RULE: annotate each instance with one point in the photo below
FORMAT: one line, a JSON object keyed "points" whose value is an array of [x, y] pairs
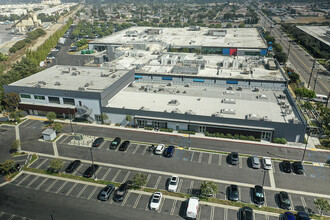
{"points": [[172, 208], [156, 181]]}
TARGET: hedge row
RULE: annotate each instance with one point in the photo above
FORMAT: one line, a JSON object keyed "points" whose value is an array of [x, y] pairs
{"points": [[230, 136]]}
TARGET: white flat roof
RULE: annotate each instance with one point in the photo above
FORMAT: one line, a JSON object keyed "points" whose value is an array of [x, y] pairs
{"points": [[181, 37], [319, 32], [201, 100], [92, 79]]}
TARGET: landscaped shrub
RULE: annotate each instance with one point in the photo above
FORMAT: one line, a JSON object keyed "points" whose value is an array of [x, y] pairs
{"points": [[280, 140], [166, 129], [148, 128], [186, 132]]}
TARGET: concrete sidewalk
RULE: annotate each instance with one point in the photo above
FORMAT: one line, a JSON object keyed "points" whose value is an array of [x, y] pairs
{"points": [[312, 141]]}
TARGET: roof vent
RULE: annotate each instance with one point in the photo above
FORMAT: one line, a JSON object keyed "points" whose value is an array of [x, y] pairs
{"points": [[262, 96], [174, 102], [190, 112], [217, 114], [86, 85], [265, 118], [176, 111], [57, 83], [229, 101], [81, 88], [41, 82], [228, 111], [228, 92], [252, 117]]}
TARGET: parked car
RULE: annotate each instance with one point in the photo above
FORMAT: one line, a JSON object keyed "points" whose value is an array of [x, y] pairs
{"points": [[122, 191], [298, 168], [233, 193], [169, 151], [267, 163], [173, 184], [192, 208], [288, 216], [115, 143], [255, 162], [286, 166], [124, 145], [97, 142], [160, 149], [105, 193], [90, 171], [245, 213], [284, 200], [258, 195], [155, 201], [234, 158], [303, 216], [73, 166]]}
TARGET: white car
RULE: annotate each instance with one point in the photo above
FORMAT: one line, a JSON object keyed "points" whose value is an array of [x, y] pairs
{"points": [[267, 163], [156, 200], [160, 149], [173, 184]]}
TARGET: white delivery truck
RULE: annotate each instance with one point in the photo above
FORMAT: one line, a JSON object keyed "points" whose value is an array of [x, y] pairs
{"points": [[192, 208]]}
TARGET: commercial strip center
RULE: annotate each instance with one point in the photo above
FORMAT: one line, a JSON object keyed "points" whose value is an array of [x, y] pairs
{"points": [[239, 94]]}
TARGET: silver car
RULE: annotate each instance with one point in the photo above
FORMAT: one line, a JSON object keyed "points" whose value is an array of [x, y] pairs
{"points": [[255, 162]]}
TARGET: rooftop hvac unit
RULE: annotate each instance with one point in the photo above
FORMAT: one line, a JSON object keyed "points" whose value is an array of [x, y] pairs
{"points": [[75, 73], [265, 118], [81, 88], [42, 82], [174, 102], [229, 101], [230, 88], [228, 111], [295, 120], [252, 117], [256, 89], [176, 111], [239, 88], [57, 83], [190, 112], [262, 96], [217, 114], [228, 93]]}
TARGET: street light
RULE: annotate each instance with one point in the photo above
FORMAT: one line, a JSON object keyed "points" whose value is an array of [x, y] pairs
{"points": [[95, 178]]}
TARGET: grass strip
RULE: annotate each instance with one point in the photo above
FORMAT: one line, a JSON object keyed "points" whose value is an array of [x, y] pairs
{"points": [[18, 154]]}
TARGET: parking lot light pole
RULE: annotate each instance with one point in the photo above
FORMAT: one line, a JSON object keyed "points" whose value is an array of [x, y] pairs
{"points": [[95, 178], [263, 179]]}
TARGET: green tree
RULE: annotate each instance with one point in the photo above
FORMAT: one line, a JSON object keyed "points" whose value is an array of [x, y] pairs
{"points": [[229, 25], [104, 117], [308, 105], [57, 127], [139, 180], [11, 101], [241, 25], [208, 188], [15, 145], [129, 118], [281, 57], [51, 116], [6, 166], [322, 205], [55, 165]]}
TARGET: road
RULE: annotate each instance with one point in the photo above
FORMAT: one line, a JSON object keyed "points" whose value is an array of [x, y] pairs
{"points": [[300, 59]]}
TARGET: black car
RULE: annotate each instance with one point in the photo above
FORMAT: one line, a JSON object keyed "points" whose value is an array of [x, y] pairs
{"points": [[73, 166], [286, 166], [284, 200], [124, 145], [115, 143], [258, 195], [298, 168], [245, 213], [303, 216], [233, 193], [234, 158], [105, 193], [98, 142], [122, 191], [90, 171], [169, 151]]}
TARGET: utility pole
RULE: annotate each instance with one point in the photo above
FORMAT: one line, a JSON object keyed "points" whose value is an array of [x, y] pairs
{"points": [[317, 74], [310, 76], [287, 58]]}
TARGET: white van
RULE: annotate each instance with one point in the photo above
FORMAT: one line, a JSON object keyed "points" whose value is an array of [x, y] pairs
{"points": [[192, 208]]}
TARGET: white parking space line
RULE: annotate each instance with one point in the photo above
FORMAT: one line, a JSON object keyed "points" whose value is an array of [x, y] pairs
{"points": [[136, 148], [11, 217], [254, 216], [42, 163], [23, 218], [145, 149], [32, 181], [102, 145], [1, 214], [42, 183], [126, 177], [26, 123], [173, 207], [225, 214], [240, 163], [147, 206], [273, 166], [137, 201], [114, 178], [265, 204], [61, 187], [192, 156], [200, 157], [64, 139], [106, 174], [51, 185], [92, 193], [210, 159], [148, 178], [81, 191], [303, 203], [180, 185], [267, 217], [157, 183], [97, 171], [220, 159], [20, 182], [161, 205], [70, 190], [77, 170], [110, 201], [199, 212], [292, 206], [226, 187], [212, 213], [272, 180], [125, 200], [239, 194], [191, 186]]}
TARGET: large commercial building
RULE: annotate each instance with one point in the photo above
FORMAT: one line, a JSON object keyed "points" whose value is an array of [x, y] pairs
{"points": [[244, 95]]}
